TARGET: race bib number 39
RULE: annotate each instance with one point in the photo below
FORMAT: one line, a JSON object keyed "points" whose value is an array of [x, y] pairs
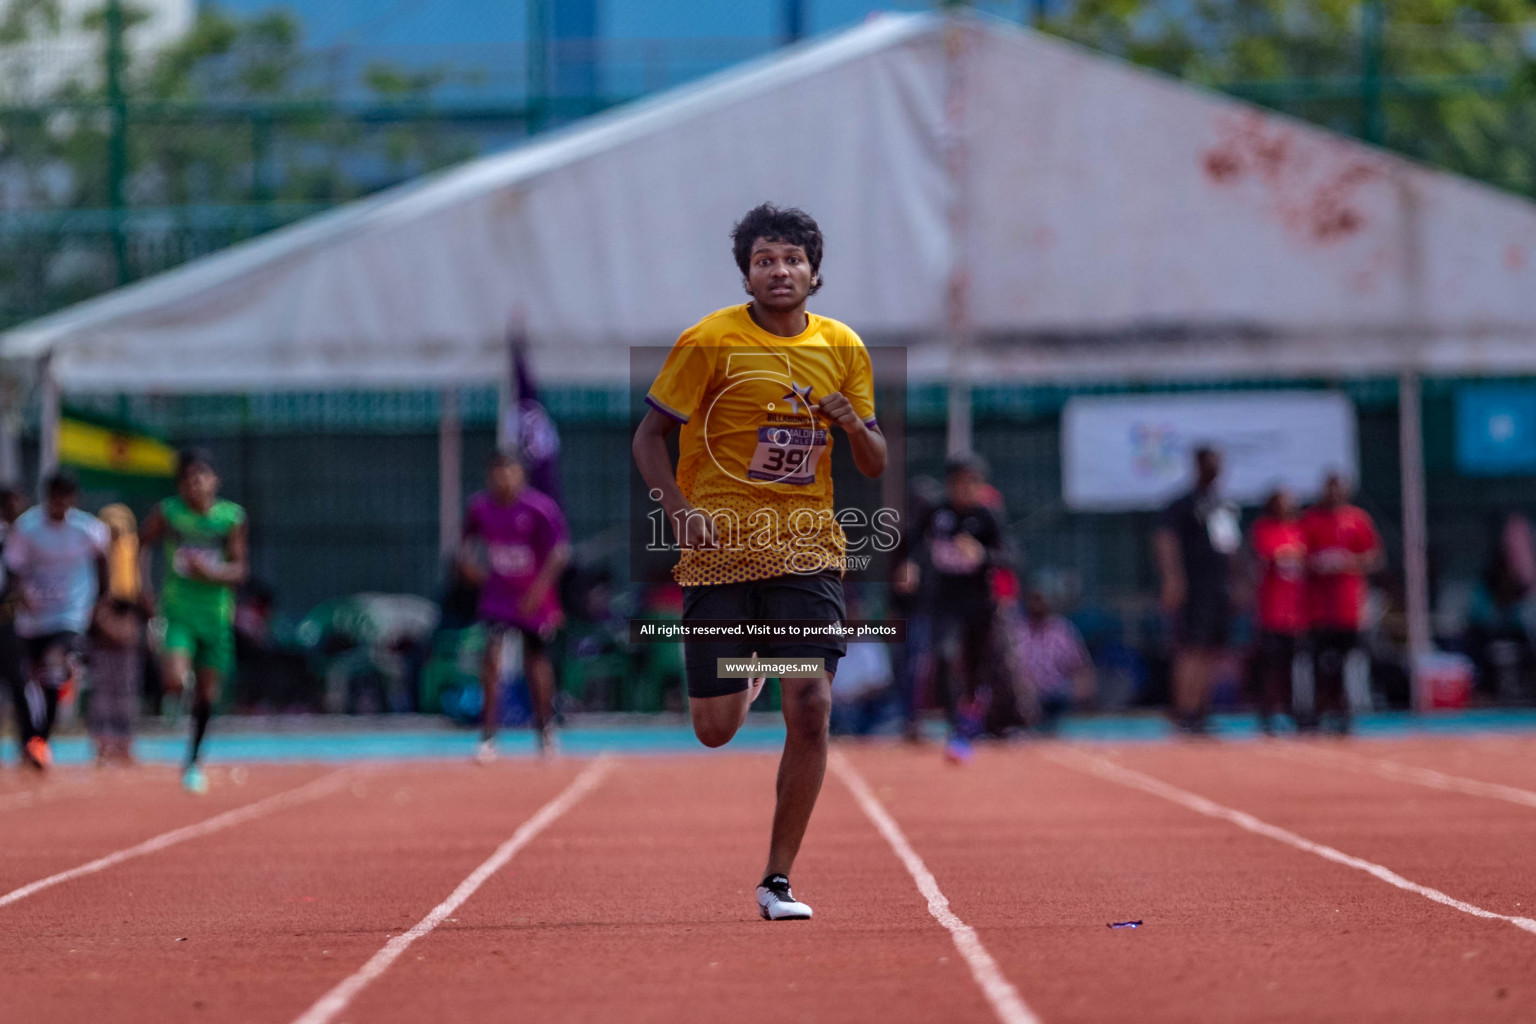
{"points": [[787, 455]]}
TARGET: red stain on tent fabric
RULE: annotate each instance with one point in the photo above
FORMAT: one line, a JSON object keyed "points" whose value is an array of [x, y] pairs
{"points": [[1313, 185]]}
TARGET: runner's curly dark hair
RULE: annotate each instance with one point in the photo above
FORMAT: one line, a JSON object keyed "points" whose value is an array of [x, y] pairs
{"points": [[778, 225], [188, 458]]}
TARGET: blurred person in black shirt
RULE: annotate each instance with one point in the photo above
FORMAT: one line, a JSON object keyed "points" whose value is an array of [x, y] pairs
{"points": [[910, 599], [1497, 637], [963, 542], [1195, 545]]}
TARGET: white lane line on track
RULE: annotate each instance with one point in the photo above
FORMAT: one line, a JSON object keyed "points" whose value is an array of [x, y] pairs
{"points": [[336, 1000], [32, 798], [1005, 999], [1200, 805], [1399, 772], [309, 791], [47, 790], [72, 785]]}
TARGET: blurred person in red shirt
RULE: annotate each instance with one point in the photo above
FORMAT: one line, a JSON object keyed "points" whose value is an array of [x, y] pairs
{"points": [[1279, 548], [1343, 548]]}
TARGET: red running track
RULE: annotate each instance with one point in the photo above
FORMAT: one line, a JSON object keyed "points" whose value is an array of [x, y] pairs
{"points": [[635, 903]]}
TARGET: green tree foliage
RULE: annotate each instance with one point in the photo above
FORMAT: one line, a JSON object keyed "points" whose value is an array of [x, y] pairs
{"points": [[232, 130], [1454, 77]]}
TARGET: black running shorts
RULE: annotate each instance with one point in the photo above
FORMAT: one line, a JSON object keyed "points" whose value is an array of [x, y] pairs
{"points": [[37, 647], [533, 643], [818, 597], [1205, 621]]}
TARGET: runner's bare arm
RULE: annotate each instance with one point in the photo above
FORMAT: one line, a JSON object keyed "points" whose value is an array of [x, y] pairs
{"points": [[1165, 546], [866, 442], [151, 532], [549, 573], [152, 529], [237, 566], [18, 561], [467, 560], [1373, 559], [1246, 570], [655, 463], [103, 579], [468, 565]]}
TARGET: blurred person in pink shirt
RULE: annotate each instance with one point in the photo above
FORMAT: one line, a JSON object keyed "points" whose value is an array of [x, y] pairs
{"points": [[1054, 659]]}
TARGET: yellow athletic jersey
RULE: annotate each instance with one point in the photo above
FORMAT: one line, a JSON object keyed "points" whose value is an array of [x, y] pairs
{"points": [[752, 454]]}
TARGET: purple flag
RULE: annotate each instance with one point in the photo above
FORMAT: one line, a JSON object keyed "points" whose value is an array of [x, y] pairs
{"points": [[530, 429]]}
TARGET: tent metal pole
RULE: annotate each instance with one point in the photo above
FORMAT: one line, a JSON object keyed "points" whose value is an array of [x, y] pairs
{"points": [[506, 416], [48, 423], [11, 390], [1415, 529], [537, 64], [959, 439], [10, 451], [1410, 428], [450, 473], [506, 390], [958, 293], [116, 57], [794, 20]]}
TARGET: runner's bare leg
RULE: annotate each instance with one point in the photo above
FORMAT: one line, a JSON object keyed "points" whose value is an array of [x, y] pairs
{"points": [[540, 674], [490, 685], [807, 715], [716, 719]]}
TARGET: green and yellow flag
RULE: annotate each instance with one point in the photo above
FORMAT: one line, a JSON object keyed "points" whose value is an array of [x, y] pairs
{"points": [[109, 453]]}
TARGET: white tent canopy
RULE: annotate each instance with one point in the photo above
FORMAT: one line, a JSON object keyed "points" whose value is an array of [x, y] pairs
{"points": [[1007, 205], [1128, 224], [1089, 218], [606, 234]]}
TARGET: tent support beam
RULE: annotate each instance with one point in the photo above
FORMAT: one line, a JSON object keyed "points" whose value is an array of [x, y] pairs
{"points": [[506, 389], [506, 415], [1410, 415], [959, 439], [10, 452], [957, 302], [10, 431], [48, 423], [450, 473]]}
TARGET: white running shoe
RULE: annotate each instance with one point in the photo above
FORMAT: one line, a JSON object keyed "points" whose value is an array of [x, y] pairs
{"points": [[777, 903], [194, 781], [485, 753], [548, 742]]}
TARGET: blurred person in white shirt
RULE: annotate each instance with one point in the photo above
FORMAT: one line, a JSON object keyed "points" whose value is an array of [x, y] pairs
{"points": [[58, 555]]}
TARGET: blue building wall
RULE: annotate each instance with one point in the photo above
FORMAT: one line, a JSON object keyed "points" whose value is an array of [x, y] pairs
{"points": [[603, 50], [474, 22]]}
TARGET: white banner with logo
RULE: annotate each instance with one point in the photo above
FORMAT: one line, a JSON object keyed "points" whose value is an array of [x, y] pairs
{"points": [[1128, 452]]}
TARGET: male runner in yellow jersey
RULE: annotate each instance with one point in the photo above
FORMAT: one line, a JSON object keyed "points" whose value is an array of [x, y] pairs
{"points": [[760, 390]]}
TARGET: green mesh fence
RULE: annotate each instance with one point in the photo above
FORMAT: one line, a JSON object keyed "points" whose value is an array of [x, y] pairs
{"points": [[342, 487]]}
